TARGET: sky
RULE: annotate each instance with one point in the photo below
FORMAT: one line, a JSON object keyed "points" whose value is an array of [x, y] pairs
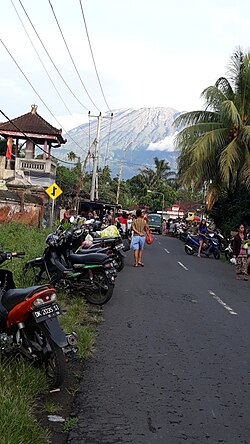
{"points": [[148, 53]]}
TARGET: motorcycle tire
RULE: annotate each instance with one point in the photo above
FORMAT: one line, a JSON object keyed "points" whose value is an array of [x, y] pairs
{"points": [[222, 248], [228, 255], [103, 292], [188, 251], [216, 254], [53, 361], [120, 262]]}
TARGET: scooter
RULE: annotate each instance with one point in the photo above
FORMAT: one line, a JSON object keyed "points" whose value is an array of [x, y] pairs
{"points": [[29, 325], [92, 275], [210, 245]]}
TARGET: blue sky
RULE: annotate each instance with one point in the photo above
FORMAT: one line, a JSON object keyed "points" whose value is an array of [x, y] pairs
{"points": [[149, 53]]}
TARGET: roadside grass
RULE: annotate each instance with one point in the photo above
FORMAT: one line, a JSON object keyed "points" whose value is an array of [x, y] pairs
{"points": [[22, 384], [78, 317]]}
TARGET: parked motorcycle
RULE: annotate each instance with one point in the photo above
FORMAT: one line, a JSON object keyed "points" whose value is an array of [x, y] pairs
{"points": [[29, 325], [92, 274], [182, 234], [221, 240], [210, 245]]}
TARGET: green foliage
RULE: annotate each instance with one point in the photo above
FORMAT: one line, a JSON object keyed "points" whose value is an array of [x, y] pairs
{"points": [[215, 143], [21, 385]]}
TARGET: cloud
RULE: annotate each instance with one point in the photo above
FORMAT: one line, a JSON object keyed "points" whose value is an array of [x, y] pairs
{"points": [[70, 121], [166, 144]]}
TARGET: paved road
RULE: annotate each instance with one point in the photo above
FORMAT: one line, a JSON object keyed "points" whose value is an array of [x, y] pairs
{"points": [[171, 363]]}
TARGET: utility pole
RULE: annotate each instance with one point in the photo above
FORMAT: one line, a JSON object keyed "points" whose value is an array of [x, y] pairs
{"points": [[94, 183], [80, 183], [120, 172]]}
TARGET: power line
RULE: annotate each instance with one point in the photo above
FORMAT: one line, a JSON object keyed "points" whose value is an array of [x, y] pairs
{"points": [[71, 57], [39, 95], [28, 138], [44, 67], [92, 54], [52, 61]]}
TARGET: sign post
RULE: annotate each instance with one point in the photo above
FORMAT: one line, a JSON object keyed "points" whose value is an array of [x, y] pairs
{"points": [[54, 191]]}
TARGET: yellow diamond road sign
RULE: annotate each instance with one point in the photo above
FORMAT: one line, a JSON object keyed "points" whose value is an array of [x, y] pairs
{"points": [[54, 191]]}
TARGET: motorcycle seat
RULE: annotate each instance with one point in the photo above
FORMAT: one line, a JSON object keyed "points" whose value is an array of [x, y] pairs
{"points": [[88, 259], [14, 296], [92, 250]]}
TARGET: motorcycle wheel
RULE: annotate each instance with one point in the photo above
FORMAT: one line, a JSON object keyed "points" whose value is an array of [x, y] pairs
{"points": [[51, 358], [120, 262], [188, 251], [216, 254], [228, 255], [103, 292]]}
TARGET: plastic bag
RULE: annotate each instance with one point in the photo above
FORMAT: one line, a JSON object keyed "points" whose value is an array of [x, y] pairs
{"points": [[149, 238], [89, 238], [233, 261], [110, 231]]}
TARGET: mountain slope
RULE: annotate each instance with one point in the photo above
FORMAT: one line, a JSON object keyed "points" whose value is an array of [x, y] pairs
{"points": [[149, 129]]}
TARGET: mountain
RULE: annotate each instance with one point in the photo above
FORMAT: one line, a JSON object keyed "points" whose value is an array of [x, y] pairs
{"points": [[149, 130]]}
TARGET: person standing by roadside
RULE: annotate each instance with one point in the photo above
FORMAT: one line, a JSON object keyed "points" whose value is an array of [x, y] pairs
{"points": [[139, 228], [240, 248], [164, 227], [202, 231]]}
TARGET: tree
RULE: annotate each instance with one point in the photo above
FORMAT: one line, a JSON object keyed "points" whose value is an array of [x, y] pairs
{"points": [[215, 142], [71, 155]]}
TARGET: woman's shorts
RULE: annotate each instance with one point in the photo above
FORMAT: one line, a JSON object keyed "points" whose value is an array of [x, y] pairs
{"points": [[137, 242]]}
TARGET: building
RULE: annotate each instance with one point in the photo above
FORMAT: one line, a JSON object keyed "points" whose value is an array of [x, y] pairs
{"points": [[30, 130], [24, 175], [174, 212]]}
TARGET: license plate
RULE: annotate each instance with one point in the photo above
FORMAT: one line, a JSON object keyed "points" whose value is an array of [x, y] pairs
{"points": [[48, 312]]}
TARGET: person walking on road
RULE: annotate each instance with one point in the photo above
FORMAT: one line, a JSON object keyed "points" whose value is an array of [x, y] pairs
{"points": [[139, 228], [240, 249]]}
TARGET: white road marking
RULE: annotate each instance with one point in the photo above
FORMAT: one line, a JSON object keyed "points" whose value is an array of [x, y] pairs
{"points": [[183, 266], [167, 251], [221, 302]]}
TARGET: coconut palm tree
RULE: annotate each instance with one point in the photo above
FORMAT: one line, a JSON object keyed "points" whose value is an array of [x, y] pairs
{"points": [[215, 143]]}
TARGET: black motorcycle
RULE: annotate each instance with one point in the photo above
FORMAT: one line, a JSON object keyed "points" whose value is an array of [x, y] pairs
{"points": [[92, 275]]}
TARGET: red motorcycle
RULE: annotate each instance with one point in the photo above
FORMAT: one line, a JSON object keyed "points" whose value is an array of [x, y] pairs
{"points": [[29, 324]]}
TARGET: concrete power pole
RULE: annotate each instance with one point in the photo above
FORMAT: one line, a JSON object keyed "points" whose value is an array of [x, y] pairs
{"points": [[94, 184], [120, 172]]}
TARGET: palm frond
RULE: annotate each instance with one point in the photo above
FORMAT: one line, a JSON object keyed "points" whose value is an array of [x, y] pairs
{"points": [[213, 97], [229, 114], [190, 134], [194, 117], [225, 87], [229, 160], [244, 137]]}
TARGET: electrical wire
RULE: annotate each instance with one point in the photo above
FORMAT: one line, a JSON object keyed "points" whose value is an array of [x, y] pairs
{"points": [[93, 58], [107, 148], [44, 67], [71, 57], [52, 61], [12, 57], [35, 144]]}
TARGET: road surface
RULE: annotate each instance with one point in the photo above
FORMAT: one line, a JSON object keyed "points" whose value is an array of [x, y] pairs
{"points": [[171, 362]]}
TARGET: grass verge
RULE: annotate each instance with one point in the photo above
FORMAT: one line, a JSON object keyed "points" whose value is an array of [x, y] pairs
{"points": [[22, 385]]}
